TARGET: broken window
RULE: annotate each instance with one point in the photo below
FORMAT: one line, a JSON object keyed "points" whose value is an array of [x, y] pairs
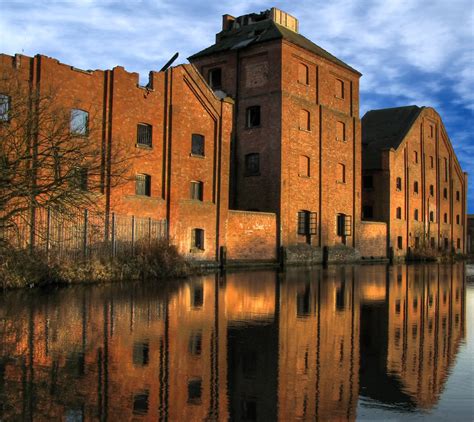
{"points": [[253, 117], [305, 120], [215, 78], [307, 222], [197, 144], [79, 123], [143, 184], [4, 108], [144, 132], [303, 168]]}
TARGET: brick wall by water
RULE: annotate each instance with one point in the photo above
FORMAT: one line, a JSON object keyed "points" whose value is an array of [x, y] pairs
{"points": [[373, 239]]}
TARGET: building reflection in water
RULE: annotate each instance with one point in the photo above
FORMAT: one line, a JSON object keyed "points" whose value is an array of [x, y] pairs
{"points": [[302, 344]]}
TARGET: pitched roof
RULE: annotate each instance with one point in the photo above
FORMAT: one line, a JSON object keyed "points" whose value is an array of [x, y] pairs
{"points": [[266, 30], [384, 129]]}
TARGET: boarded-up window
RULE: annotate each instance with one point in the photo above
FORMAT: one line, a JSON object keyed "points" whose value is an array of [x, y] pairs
{"points": [[305, 120], [303, 168], [339, 88], [340, 131], [341, 173], [303, 74]]}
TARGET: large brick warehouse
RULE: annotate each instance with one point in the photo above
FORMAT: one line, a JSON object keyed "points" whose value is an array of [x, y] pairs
{"points": [[255, 151]]}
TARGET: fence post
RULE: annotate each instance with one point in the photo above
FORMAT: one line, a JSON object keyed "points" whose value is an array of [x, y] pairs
{"points": [[84, 240], [48, 232], [133, 235], [113, 236], [149, 231]]}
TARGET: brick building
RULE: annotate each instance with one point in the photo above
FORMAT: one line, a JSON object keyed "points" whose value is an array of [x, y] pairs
{"points": [[412, 180], [255, 149], [296, 150], [470, 234]]}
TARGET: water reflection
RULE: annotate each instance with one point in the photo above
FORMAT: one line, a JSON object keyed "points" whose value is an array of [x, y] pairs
{"points": [[303, 344]]}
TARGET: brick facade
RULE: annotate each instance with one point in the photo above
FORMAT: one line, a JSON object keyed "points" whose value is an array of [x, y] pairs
{"points": [[416, 187]]}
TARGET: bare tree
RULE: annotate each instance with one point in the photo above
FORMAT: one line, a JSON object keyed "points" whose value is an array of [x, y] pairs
{"points": [[50, 155]]}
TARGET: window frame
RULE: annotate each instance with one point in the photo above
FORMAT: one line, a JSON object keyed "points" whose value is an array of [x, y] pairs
{"points": [[197, 190], [249, 120], [197, 239], [307, 223], [5, 107], [149, 135], [75, 131], [343, 224], [398, 184], [198, 140], [143, 184], [210, 78]]}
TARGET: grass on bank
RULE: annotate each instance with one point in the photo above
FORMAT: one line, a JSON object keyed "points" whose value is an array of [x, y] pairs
{"points": [[157, 260]]}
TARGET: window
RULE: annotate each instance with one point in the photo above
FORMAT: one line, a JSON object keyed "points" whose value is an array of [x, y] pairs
{"points": [[340, 131], [458, 219], [399, 213], [252, 164], [344, 225], [400, 242], [303, 74], [197, 144], [253, 117], [4, 108], [416, 214], [307, 223], [432, 242], [195, 343], [141, 403], [143, 184], [194, 390], [341, 173], [445, 193], [197, 295], [431, 131], [197, 190], [458, 243], [305, 120], [215, 78], [415, 157], [303, 167], [79, 124], [141, 353], [415, 187], [431, 216], [368, 182], [367, 212], [431, 190], [79, 178], [445, 169], [399, 183], [431, 161], [446, 243], [445, 217], [197, 239], [339, 88], [458, 196], [144, 134]]}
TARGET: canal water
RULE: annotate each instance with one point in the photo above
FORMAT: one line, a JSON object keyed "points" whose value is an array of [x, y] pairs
{"points": [[369, 342]]}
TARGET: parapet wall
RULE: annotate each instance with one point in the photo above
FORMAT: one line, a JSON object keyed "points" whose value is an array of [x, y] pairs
{"points": [[372, 239], [251, 236]]}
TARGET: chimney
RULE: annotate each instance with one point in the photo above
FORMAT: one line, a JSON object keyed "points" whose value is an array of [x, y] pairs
{"points": [[284, 19], [227, 21]]}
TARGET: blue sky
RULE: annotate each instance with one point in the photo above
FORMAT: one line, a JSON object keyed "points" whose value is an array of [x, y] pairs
{"points": [[409, 51]]}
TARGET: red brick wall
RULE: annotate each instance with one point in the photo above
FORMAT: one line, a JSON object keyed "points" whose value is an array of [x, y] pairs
{"points": [[372, 239], [251, 236]]}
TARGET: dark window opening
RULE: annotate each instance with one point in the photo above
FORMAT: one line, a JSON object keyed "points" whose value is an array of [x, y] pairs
{"points": [[141, 353], [197, 189], [340, 297], [458, 196], [195, 342], [445, 217], [415, 187], [197, 144], [252, 164], [416, 215], [458, 219], [197, 239], [215, 78], [143, 184], [399, 183], [445, 193], [399, 213], [194, 390], [79, 178], [458, 243], [431, 190], [303, 302], [141, 403], [144, 135], [399, 242], [253, 117], [431, 216], [432, 243]]}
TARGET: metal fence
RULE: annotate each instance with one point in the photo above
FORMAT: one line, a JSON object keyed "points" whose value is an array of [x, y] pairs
{"points": [[82, 234]]}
